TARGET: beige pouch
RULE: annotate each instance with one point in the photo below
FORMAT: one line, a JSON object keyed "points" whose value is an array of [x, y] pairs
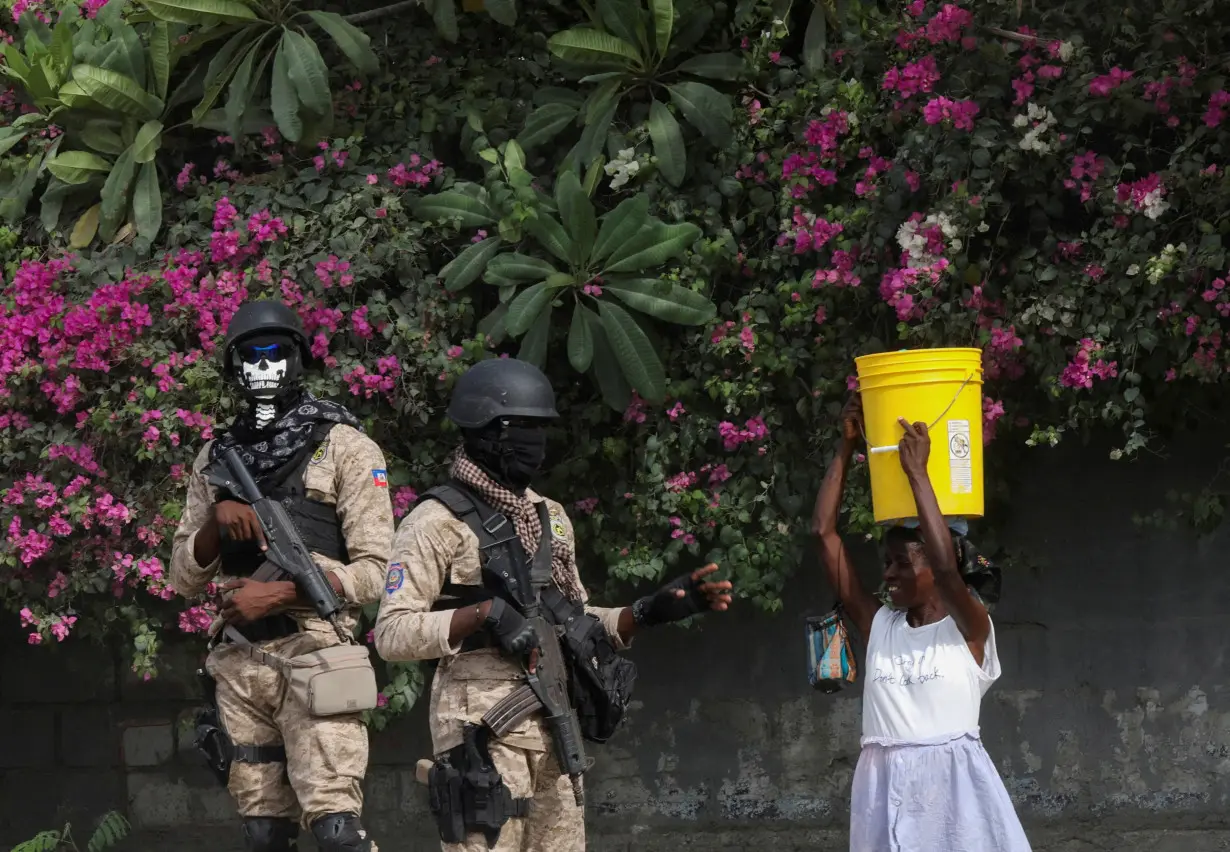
{"points": [[329, 682]]}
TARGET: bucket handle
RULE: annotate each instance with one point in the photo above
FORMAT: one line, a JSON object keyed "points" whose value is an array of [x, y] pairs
{"points": [[892, 448]]}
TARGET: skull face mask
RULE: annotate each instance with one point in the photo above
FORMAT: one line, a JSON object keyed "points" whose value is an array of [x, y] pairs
{"points": [[267, 367]]}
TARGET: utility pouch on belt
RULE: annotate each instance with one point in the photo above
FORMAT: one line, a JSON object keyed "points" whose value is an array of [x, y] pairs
{"points": [[466, 794], [830, 658], [329, 682]]}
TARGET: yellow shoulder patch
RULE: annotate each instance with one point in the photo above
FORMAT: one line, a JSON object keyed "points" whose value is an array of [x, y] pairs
{"points": [[558, 529]]}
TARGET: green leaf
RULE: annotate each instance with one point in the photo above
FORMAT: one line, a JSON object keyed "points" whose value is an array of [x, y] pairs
{"points": [[147, 202], [117, 92], [160, 58], [77, 167], [652, 247], [16, 199], [594, 176], [523, 310], [551, 235], [502, 11], [283, 101], [534, 345], [663, 22], [632, 349], [590, 47], [514, 157], [103, 135], [815, 39], [607, 373], [129, 60], [715, 66], [594, 136], [464, 269], [545, 123], [221, 69], [62, 45], [521, 267], [199, 11], [706, 109], [578, 215], [148, 141], [444, 15], [7, 142], [115, 194], [580, 342], [350, 40], [667, 140], [620, 18], [662, 300], [621, 225], [240, 90], [51, 204], [451, 205], [308, 73]]}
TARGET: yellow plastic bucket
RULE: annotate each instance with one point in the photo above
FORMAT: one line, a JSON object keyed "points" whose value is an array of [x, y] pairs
{"points": [[939, 387]]}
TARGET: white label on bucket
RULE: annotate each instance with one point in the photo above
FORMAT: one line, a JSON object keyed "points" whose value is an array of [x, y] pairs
{"points": [[960, 468]]}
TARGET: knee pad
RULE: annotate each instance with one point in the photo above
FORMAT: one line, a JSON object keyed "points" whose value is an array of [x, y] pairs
{"points": [[270, 834], [340, 833]]}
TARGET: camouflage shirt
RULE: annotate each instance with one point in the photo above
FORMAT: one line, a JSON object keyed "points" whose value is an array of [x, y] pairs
{"points": [[346, 471], [433, 547]]}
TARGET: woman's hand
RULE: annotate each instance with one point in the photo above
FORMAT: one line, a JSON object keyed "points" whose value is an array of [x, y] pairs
{"points": [[852, 432], [914, 448]]}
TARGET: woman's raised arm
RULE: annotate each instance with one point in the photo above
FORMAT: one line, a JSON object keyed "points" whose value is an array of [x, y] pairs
{"points": [[860, 604]]}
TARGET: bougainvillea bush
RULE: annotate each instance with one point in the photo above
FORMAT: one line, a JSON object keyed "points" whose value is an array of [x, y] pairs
{"points": [[1049, 188]]}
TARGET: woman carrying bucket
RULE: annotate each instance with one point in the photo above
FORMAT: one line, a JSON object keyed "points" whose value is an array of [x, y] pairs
{"points": [[924, 782]]}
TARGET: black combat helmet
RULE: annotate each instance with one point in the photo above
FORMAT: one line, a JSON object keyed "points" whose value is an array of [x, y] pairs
{"points": [[500, 387], [264, 316]]}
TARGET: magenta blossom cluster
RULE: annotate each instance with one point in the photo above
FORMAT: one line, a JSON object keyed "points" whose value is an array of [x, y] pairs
{"points": [[1088, 364]]}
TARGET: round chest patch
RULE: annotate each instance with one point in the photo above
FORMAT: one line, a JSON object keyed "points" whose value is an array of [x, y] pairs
{"points": [[557, 528], [319, 455]]}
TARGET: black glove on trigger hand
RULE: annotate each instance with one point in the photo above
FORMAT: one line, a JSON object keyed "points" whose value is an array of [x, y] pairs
{"points": [[664, 606], [512, 632]]}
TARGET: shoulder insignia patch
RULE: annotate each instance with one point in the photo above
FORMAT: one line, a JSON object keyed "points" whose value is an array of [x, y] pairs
{"points": [[321, 452], [380, 478], [558, 529], [396, 576]]}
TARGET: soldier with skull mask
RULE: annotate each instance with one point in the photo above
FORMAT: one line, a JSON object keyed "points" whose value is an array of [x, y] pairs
{"points": [[285, 768]]}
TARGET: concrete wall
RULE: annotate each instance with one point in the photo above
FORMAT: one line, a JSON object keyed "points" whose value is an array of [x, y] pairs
{"points": [[1111, 724]]}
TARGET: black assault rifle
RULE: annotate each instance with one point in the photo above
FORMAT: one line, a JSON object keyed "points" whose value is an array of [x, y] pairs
{"points": [[286, 550], [545, 688]]}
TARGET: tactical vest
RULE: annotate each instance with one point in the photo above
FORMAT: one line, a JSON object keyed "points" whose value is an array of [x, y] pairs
{"points": [[318, 524], [600, 680]]}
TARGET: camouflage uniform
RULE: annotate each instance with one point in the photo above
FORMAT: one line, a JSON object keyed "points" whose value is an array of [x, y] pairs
{"points": [[326, 757], [433, 547]]}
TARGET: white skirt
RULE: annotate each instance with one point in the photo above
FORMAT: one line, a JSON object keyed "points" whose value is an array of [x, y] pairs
{"points": [[927, 798]]}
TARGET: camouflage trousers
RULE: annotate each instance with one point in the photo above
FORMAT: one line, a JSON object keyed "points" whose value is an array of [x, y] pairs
{"points": [[326, 757], [555, 823]]}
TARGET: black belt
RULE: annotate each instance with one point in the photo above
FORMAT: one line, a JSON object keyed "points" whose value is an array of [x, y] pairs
{"points": [[269, 627]]}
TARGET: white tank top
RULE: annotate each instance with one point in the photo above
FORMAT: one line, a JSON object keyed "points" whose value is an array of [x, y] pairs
{"points": [[922, 684]]}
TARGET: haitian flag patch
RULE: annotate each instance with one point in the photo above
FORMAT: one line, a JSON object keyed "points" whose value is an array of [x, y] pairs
{"points": [[381, 478]]}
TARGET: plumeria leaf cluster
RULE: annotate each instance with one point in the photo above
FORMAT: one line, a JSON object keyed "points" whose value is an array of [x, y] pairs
{"points": [[599, 268]]}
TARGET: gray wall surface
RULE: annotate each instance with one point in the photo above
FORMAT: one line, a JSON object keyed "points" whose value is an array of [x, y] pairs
{"points": [[1110, 725]]}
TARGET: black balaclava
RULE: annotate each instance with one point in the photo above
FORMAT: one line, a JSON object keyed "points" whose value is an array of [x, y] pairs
{"points": [[267, 368], [512, 455]]}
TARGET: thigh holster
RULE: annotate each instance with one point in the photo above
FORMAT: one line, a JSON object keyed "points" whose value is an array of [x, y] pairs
{"points": [[468, 795]]}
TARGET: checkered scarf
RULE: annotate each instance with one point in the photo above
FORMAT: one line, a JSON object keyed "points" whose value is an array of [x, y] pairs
{"points": [[524, 516]]}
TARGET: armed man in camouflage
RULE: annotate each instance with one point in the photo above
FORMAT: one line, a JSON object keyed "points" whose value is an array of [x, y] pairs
{"points": [[456, 592], [285, 768]]}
